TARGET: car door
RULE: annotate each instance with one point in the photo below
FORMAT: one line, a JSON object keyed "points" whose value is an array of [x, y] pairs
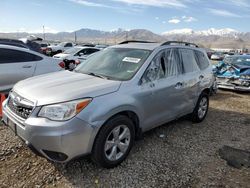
{"points": [[15, 65], [192, 78], [162, 90]]}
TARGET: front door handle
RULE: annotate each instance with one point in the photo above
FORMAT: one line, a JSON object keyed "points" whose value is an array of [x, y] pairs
{"points": [[178, 85], [27, 66]]}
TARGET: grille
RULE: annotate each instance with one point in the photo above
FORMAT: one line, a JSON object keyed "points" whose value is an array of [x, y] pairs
{"points": [[20, 109]]}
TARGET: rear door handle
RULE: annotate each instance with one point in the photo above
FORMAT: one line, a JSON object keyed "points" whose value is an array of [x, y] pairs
{"points": [[178, 85], [27, 66]]}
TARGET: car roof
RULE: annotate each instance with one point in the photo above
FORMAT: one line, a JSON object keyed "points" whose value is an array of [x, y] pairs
{"points": [[144, 46]]}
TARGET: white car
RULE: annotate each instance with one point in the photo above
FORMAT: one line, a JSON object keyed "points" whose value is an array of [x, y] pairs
{"points": [[18, 63], [76, 53], [55, 49], [217, 56]]}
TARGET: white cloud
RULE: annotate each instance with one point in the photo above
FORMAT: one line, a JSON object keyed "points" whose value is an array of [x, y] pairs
{"points": [[89, 4], [156, 3], [224, 13], [157, 18], [174, 21], [239, 3], [189, 19]]}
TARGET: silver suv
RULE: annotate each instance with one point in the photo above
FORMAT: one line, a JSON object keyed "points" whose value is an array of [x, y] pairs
{"points": [[105, 103]]}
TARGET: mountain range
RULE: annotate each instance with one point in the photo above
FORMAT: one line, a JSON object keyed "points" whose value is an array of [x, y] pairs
{"points": [[211, 38]]}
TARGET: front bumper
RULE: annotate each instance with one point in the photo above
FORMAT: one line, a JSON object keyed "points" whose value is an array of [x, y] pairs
{"points": [[57, 141], [233, 87], [233, 84]]}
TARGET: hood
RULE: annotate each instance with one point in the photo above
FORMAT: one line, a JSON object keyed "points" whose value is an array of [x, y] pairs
{"points": [[64, 86]]}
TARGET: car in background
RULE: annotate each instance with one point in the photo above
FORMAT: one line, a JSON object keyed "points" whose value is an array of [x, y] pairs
{"points": [[23, 43], [56, 49], [209, 52], [74, 56], [233, 73], [18, 63], [109, 100], [218, 56], [44, 47]]}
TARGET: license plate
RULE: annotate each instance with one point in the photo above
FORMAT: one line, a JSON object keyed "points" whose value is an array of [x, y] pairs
{"points": [[12, 125]]}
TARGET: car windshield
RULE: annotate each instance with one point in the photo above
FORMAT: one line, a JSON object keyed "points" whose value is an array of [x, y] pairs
{"points": [[241, 61], [71, 51], [115, 63]]}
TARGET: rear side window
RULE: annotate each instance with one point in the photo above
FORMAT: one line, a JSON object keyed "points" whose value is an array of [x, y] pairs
{"points": [[15, 56], [189, 60], [68, 45], [201, 59]]}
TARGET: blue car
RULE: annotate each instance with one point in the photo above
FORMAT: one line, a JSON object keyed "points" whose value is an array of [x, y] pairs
{"points": [[233, 73]]}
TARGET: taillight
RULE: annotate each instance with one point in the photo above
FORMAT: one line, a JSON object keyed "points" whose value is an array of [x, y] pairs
{"points": [[62, 64], [77, 62]]}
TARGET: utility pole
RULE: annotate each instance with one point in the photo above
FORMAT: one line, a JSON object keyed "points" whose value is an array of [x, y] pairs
{"points": [[43, 32], [75, 37]]}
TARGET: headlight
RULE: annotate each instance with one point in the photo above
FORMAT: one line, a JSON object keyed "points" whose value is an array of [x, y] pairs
{"points": [[64, 111], [247, 77]]}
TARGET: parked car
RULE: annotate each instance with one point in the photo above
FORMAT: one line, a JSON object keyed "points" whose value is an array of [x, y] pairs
{"points": [[234, 73], [74, 56], [44, 48], [217, 56], [19, 63], [23, 43], [76, 52], [105, 103], [56, 49]]}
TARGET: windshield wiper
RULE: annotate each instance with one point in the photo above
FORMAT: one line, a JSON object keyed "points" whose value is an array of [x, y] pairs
{"points": [[97, 75]]}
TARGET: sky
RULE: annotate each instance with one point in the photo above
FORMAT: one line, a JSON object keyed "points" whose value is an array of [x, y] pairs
{"points": [[156, 15]]}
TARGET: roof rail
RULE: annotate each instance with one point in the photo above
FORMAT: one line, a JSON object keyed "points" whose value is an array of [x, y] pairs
{"points": [[180, 43], [135, 41]]}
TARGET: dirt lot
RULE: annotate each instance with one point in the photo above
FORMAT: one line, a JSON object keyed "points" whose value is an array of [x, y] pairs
{"points": [[185, 155]]}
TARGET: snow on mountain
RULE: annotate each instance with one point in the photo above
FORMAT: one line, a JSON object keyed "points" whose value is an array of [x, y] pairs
{"points": [[211, 31]]}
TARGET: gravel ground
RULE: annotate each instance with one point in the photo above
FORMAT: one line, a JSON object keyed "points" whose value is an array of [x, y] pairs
{"points": [[186, 156]]}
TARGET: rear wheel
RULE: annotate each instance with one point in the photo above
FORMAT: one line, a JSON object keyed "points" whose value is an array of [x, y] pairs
{"points": [[201, 108], [114, 142]]}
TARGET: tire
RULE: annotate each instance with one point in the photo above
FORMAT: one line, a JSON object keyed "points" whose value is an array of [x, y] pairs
{"points": [[106, 151], [201, 108]]}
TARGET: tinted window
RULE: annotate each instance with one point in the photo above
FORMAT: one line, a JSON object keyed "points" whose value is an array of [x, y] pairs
{"points": [[189, 61], [68, 45], [201, 60], [166, 63], [90, 51], [14, 56]]}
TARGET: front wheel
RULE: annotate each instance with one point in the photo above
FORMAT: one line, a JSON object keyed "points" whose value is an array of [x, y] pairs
{"points": [[201, 108], [114, 142]]}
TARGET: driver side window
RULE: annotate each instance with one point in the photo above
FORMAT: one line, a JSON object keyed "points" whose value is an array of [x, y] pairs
{"points": [[165, 64]]}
